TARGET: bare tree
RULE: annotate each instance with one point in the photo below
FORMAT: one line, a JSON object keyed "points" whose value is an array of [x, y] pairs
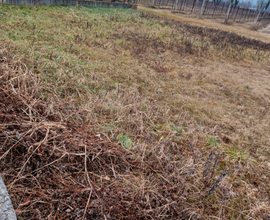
{"points": [[259, 4], [201, 12], [228, 12], [262, 7], [176, 4], [232, 3]]}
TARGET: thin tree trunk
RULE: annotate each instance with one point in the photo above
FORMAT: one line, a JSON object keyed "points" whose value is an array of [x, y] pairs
{"points": [[246, 14], [184, 4], [256, 20], [228, 13], [264, 13], [236, 13], [176, 4], [205, 8], [222, 9], [194, 3], [201, 12], [214, 9], [208, 9]]}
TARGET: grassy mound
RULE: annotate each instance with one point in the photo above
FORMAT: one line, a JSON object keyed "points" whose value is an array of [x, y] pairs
{"points": [[116, 114]]}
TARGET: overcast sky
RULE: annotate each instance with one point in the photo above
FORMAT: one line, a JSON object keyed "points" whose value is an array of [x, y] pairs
{"points": [[254, 2]]}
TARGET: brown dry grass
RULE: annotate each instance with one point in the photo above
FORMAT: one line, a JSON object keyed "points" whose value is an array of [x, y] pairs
{"points": [[126, 121]]}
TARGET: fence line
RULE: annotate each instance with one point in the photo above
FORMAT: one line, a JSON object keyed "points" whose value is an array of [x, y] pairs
{"points": [[69, 2], [211, 9]]}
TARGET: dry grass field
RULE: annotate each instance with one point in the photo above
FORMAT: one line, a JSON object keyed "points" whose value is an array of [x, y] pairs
{"points": [[121, 114]]}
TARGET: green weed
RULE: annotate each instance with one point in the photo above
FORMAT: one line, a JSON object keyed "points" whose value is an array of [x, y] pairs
{"points": [[177, 129], [125, 141], [211, 142], [236, 154]]}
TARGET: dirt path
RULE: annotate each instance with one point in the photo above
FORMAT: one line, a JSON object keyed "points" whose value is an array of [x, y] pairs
{"points": [[241, 29], [265, 30]]}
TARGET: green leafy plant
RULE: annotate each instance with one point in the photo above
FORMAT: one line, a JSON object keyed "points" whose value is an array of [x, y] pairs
{"points": [[177, 129], [236, 154], [125, 141], [211, 142], [158, 128]]}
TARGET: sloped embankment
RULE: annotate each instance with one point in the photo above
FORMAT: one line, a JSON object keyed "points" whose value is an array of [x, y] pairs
{"points": [[167, 91]]}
